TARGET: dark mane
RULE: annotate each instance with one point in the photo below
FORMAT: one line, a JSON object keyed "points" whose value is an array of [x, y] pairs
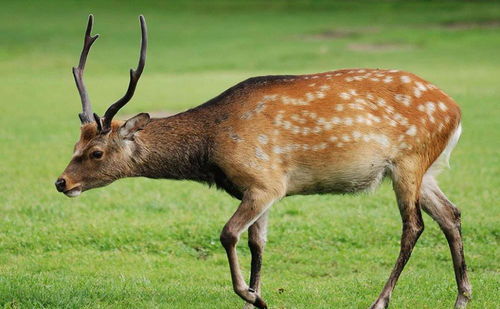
{"points": [[240, 88]]}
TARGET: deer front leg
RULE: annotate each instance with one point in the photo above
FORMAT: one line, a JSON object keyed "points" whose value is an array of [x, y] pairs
{"points": [[257, 237], [253, 205]]}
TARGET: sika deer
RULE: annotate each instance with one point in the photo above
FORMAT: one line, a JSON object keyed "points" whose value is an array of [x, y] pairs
{"points": [[274, 136]]}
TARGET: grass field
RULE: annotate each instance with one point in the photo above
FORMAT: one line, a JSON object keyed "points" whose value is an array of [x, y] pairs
{"points": [[142, 243]]}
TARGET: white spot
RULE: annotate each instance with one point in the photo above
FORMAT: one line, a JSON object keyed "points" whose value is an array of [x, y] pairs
{"points": [[373, 117], [417, 92], [381, 139], [263, 139], [260, 154], [404, 146], [421, 86], [353, 92], [430, 106], [356, 106], [309, 96], [348, 121], [412, 131], [339, 107], [392, 123], [387, 79], [270, 97], [346, 138], [336, 120], [345, 95], [340, 144], [320, 95], [403, 98], [356, 135], [442, 106], [405, 79], [360, 101], [333, 138], [401, 119], [277, 149]]}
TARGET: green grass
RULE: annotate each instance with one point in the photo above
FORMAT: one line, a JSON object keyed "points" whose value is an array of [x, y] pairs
{"points": [[144, 243]]}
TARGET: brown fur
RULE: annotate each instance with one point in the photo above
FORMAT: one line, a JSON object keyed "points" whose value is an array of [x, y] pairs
{"points": [[269, 137]]}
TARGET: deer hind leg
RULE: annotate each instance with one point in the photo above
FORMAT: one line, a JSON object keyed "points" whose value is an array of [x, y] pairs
{"points": [[257, 237], [406, 183], [253, 205], [435, 203]]}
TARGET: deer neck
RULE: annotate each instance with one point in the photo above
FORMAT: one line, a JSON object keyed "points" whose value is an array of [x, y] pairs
{"points": [[176, 147]]}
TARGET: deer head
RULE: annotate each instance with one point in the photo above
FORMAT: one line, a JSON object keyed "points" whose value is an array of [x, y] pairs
{"points": [[104, 151]]}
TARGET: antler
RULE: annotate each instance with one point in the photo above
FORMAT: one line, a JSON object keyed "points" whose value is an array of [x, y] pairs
{"points": [[134, 78], [86, 114]]}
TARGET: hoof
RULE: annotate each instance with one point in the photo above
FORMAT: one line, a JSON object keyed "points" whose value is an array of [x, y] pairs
{"points": [[260, 303], [379, 304], [462, 300]]}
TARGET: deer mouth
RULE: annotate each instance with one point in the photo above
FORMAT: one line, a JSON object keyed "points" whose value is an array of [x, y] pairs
{"points": [[73, 192]]}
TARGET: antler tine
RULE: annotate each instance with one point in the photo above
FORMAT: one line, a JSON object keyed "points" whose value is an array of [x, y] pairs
{"points": [[134, 78], [86, 114]]}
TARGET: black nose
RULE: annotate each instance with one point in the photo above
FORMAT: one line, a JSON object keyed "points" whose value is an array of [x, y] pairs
{"points": [[60, 184]]}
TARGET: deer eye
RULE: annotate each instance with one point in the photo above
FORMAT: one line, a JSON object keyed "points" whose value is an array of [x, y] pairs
{"points": [[96, 154]]}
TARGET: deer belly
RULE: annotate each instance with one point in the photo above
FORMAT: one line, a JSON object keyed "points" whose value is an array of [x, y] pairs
{"points": [[349, 177]]}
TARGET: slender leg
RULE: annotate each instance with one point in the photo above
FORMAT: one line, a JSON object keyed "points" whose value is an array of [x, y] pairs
{"points": [[435, 203], [406, 187], [252, 207], [257, 237]]}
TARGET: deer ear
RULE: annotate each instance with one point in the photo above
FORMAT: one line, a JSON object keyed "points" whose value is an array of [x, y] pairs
{"points": [[134, 124]]}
